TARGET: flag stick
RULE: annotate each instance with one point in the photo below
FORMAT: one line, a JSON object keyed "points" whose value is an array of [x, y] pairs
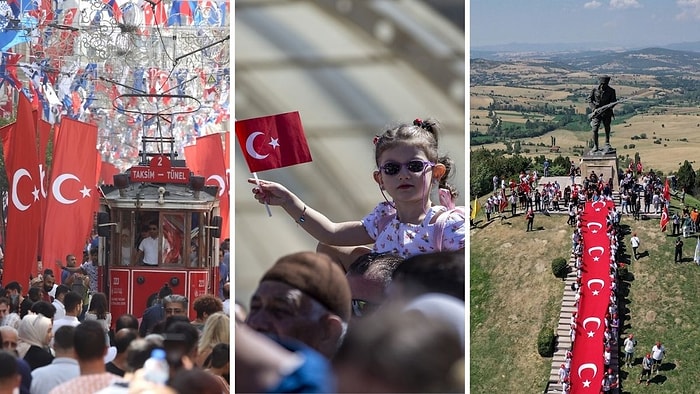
{"points": [[257, 182]]}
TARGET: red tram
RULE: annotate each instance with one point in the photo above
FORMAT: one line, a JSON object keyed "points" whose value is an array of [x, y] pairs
{"points": [[158, 199]]}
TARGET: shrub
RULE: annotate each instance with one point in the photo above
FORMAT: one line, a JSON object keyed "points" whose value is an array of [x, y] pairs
{"points": [[631, 146], [545, 342], [560, 268]]}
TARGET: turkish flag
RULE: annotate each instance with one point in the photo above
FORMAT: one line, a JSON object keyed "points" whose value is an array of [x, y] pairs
{"points": [[664, 218], [24, 207], [209, 161], [107, 173], [587, 367], [71, 192], [667, 191], [273, 141]]}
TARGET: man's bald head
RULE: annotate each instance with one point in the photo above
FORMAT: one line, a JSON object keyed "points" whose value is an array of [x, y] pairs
{"points": [[123, 338]]}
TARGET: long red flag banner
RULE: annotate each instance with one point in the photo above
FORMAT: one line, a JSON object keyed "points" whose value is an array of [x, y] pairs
{"points": [[72, 192], [24, 207], [587, 366]]}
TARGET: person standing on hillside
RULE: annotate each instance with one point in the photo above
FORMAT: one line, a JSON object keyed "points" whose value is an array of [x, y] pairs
{"points": [[629, 345], [600, 96], [635, 245], [646, 368], [658, 351], [678, 257], [530, 219]]}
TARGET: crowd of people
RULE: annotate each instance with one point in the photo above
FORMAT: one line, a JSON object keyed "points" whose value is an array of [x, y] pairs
{"points": [[388, 324], [61, 338]]}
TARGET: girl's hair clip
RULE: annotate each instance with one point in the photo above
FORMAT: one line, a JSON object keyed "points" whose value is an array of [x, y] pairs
{"points": [[375, 139], [418, 122]]}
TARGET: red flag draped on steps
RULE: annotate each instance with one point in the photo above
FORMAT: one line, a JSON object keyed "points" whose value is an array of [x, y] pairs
{"points": [[206, 158], [664, 219], [69, 214], [273, 141], [24, 205], [587, 367]]}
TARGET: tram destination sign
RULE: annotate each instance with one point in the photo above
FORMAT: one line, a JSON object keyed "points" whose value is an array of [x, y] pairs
{"points": [[160, 170]]}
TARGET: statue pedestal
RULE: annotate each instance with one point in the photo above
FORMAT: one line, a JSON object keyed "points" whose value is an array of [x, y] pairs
{"points": [[605, 164]]}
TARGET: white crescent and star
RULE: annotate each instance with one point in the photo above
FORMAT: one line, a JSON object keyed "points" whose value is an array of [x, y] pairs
{"points": [[595, 280], [274, 142], [590, 366], [587, 320], [22, 172], [596, 202], [600, 226], [58, 195], [598, 248]]}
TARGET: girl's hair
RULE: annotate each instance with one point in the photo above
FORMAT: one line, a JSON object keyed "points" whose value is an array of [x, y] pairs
{"points": [[216, 330], [422, 134], [98, 304]]}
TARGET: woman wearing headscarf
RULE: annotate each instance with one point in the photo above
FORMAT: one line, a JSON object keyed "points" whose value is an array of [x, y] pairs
{"points": [[34, 334]]}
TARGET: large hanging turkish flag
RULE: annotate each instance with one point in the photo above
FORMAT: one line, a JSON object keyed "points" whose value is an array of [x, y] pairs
{"points": [[69, 214], [206, 158], [24, 206], [273, 141]]}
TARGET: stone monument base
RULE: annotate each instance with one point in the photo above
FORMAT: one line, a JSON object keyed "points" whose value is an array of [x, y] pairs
{"points": [[605, 164]]}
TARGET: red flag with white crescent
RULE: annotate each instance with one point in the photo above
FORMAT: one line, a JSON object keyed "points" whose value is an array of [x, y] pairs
{"points": [[273, 141], [24, 205], [209, 162], [72, 189], [664, 219], [667, 191]]}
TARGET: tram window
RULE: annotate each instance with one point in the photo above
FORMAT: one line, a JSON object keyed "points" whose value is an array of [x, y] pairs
{"points": [[173, 233], [126, 249]]}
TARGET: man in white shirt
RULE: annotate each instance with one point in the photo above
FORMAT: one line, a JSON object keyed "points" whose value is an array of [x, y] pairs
{"points": [[148, 248], [62, 369], [629, 343], [61, 292], [635, 245], [657, 354], [73, 302]]}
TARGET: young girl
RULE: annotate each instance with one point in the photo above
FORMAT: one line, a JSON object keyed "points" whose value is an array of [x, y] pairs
{"points": [[98, 310], [408, 168]]}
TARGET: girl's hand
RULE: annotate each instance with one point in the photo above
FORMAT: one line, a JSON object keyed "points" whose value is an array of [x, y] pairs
{"points": [[271, 193]]}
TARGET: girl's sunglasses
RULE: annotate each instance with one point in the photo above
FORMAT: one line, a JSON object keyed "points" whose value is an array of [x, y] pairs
{"points": [[393, 168]]}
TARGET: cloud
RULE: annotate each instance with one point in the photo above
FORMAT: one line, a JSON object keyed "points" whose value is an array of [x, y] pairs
{"points": [[592, 5], [690, 9], [623, 4]]}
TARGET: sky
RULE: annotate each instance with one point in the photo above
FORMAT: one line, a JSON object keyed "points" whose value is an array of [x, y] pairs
{"points": [[610, 22]]}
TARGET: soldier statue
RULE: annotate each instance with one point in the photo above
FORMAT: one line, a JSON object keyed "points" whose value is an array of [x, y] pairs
{"points": [[601, 101]]}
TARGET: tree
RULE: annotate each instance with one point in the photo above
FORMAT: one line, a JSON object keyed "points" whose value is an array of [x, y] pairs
{"points": [[516, 147], [686, 177]]}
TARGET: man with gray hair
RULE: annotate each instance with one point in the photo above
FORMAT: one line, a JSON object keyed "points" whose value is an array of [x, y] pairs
{"points": [[176, 305], [305, 297]]}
